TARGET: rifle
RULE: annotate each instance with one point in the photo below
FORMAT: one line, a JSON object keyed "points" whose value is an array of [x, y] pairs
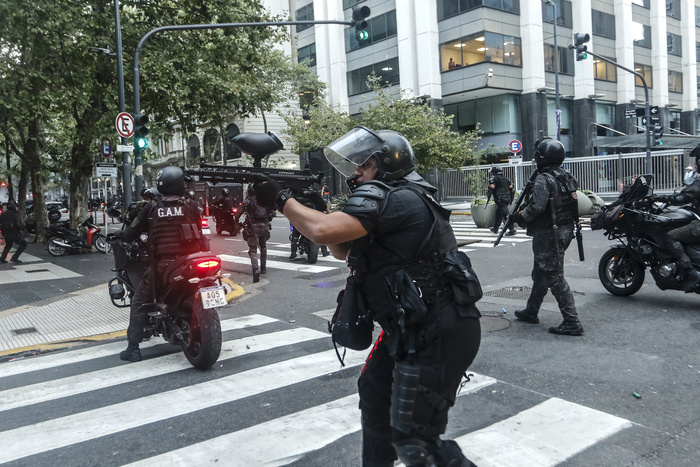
{"points": [[487, 200], [579, 236], [296, 181], [516, 207], [554, 231]]}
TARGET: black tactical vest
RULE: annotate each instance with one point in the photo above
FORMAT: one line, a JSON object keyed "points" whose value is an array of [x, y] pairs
{"points": [[174, 227]]}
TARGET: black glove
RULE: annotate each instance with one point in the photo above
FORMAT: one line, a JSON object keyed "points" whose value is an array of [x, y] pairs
{"points": [[516, 217], [312, 199], [269, 194]]}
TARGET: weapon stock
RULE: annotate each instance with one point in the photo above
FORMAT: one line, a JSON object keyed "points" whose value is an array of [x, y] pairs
{"points": [[516, 207], [296, 181]]}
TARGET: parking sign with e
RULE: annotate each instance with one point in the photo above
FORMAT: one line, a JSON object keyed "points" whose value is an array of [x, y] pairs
{"points": [[515, 146]]}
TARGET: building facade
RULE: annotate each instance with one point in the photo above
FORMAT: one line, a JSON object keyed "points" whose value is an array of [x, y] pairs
{"points": [[494, 64]]}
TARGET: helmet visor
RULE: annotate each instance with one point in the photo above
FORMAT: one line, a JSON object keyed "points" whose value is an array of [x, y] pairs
{"points": [[352, 150]]}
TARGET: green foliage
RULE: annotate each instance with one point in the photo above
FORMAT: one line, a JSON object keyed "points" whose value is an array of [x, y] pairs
{"points": [[478, 201], [428, 130]]}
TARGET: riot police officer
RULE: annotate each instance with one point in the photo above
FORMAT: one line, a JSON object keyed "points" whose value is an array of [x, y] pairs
{"points": [[502, 192], [550, 215], [174, 226], [689, 233], [12, 229], [256, 231], [392, 226]]}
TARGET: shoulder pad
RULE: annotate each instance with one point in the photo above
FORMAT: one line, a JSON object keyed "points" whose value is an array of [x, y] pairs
{"points": [[368, 197]]}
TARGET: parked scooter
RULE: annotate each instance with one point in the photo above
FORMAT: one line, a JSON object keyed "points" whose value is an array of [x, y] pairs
{"points": [[61, 239], [185, 299], [641, 224]]}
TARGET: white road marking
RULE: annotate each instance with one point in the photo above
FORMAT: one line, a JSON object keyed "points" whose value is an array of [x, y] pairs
{"points": [[299, 267]]}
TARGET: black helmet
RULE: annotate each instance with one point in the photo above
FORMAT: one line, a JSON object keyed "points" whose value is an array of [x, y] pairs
{"points": [[495, 170], [171, 181], [11, 204], [695, 153], [224, 192], [148, 193], [392, 151], [548, 152]]}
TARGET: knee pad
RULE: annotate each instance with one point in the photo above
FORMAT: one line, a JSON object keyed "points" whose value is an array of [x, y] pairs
{"points": [[416, 409]]}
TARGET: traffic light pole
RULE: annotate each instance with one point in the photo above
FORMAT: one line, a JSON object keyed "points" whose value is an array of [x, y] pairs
{"points": [[647, 109], [126, 167], [138, 177]]}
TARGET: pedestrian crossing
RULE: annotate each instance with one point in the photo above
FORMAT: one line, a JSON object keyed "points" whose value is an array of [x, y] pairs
{"points": [[277, 396], [33, 269]]}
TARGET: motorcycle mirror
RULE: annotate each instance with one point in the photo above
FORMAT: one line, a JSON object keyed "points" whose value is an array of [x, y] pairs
{"points": [[112, 212]]}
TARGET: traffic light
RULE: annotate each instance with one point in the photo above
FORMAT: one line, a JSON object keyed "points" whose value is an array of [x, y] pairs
{"points": [[359, 17], [579, 40], [658, 134], [140, 131]]}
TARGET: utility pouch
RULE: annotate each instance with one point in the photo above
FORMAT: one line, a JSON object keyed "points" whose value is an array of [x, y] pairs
{"points": [[466, 287], [395, 300], [350, 326]]}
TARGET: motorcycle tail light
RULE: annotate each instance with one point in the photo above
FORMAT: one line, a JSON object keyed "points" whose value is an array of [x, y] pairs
{"points": [[205, 223], [234, 210], [208, 265]]}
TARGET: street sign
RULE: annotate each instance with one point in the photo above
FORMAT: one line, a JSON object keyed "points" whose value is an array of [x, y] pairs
{"points": [[106, 147], [631, 113], [106, 170], [515, 146], [654, 119], [641, 111], [514, 160], [125, 148], [125, 124]]}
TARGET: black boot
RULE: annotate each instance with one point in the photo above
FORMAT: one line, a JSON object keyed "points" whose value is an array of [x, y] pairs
{"points": [[256, 275], [568, 328], [527, 316], [131, 354], [692, 279], [263, 265]]}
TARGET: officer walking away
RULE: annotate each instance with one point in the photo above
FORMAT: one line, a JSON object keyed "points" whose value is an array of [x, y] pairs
{"points": [[256, 231], [393, 231], [550, 215], [225, 202], [13, 230], [689, 233], [174, 226], [502, 191]]}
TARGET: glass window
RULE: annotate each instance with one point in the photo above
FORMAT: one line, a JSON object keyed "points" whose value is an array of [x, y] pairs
{"points": [[387, 70], [644, 3], [348, 3], [564, 16], [478, 48], [212, 150], [232, 151], [447, 8], [673, 9], [644, 70], [604, 71], [379, 28], [697, 51], [641, 35], [603, 24], [604, 115], [193, 150], [566, 113], [697, 16], [674, 121], [675, 81], [566, 59], [305, 13], [308, 54], [494, 115], [673, 44]]}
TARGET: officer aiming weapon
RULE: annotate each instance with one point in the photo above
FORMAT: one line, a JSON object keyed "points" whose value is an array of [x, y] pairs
{"points": [[516, 207], [258, 145]]}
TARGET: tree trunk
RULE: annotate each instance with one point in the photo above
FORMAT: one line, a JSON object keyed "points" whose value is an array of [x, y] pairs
{"points": [[33, 160]]}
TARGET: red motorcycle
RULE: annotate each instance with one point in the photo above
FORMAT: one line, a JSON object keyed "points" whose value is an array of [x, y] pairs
{"points": [[62, 239]]}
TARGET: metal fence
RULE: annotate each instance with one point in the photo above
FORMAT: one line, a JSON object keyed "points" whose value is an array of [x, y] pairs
{"points": [[603, 175]]}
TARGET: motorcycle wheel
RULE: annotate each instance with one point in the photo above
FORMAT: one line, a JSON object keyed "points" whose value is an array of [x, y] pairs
{"points": [[312, 254], [100, 243], [234, 230], [203, 343], [219, 227], [55, 249], [619, 273]]}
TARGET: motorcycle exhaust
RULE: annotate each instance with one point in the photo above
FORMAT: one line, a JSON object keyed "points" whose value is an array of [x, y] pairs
{"points": [[64, 244]]}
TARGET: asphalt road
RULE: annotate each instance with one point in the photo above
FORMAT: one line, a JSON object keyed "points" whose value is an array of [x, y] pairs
{"points": [[542, 394]]}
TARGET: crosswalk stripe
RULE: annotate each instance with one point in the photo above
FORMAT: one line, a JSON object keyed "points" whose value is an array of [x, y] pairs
{"points": [[78, 384], [299, 267], [294, 435], [60, 432], [105, 350], [546, 434]]}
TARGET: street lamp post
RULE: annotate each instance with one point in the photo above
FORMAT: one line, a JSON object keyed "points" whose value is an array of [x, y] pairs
{"points": [[556, 68]]}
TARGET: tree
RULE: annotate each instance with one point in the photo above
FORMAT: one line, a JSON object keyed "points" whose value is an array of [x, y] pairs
{"points": [[428, 130]]}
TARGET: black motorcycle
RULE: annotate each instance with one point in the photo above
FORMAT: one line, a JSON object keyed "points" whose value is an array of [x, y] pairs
{"points": [[640, 224], [226, 220], [60, 240], [186, 296]]}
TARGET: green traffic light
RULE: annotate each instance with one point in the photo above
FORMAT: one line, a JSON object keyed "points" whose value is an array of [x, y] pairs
{"points": [[362, 35], [141, 143]]}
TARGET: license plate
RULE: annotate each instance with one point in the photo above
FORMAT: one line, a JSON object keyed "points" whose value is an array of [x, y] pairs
{"points": [[213, 296], [206, 231]]}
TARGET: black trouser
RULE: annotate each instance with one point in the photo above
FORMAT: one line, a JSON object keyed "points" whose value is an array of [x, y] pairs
{"points": [[686, 234], [502, 213], [138, 312], [548, 271], [447, 346], [261, 234], [9, 241]]}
